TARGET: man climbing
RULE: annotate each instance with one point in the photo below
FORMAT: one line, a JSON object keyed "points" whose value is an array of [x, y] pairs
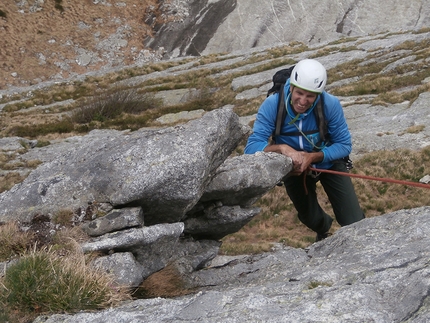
{"points": [[301, 139]]}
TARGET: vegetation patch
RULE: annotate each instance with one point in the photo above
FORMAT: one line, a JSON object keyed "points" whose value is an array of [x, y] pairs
{"points": [[41, 282], [63, 217], [415, 129], [165, 283], [33, 131], [8, 180], [108, 106], [13, 241], [49, 273], [315, 284]]}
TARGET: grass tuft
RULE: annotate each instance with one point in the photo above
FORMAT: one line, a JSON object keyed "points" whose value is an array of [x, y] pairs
{"points": [[41, 282], [9, 180], [164, 283], [33, 131], [63, 217], [13, 241]]}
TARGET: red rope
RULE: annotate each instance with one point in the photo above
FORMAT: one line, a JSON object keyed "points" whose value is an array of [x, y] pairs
{"points": [[388, 180]]}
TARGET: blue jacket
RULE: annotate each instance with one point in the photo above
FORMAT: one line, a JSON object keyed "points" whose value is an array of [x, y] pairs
{"points": [[339, 144]]}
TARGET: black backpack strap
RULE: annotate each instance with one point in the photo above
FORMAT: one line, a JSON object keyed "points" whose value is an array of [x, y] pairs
{"points": [[322, 124], [281, 113]]}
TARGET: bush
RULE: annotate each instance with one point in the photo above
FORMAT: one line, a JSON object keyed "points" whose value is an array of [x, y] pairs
{"points": [[109, 106], [3, 14], [41, 282]]}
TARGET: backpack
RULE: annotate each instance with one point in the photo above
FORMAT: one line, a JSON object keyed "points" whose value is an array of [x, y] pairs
{"points": [[279, 79]]}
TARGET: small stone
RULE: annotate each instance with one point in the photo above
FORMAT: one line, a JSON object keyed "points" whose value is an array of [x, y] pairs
{"points": [[425, 179]]}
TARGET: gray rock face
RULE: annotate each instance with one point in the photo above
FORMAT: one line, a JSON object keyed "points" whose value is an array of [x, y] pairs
{"points": [[375, 270], [194, 27], [234, 182], [152, 247], [228, 26], [190, 194], [163, 171], [388, 126], [115, 220], [139, 195], [123, 266], [217, 222], [15, 143], [134, 238]]}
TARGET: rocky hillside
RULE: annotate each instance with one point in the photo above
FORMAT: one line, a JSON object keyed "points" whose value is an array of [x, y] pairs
{"points": [[55, 39], [44, 40], [375, 270]]}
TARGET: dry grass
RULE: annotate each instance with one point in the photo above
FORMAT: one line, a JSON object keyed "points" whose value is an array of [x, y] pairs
{"points": [[13, 241], [276, 223], [164, 283], [33, 43], [380, 197], [63, 217], [9, 180], [415, 129], [43, 283], [51, 278], [13, 175]]}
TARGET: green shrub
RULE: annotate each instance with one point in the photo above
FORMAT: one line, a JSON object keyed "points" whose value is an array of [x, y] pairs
{"points": [[3, 14], [43, 283]]}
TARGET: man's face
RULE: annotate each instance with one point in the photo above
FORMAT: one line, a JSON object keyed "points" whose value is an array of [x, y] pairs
{"points": [[302, 100]]}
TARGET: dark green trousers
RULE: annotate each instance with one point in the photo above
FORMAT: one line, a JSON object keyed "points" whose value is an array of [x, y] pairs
{"points": [[340, 192]]}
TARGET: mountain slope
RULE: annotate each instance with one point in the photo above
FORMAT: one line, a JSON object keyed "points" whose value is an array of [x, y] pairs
{"points": [[53, 40], [46, 39]]}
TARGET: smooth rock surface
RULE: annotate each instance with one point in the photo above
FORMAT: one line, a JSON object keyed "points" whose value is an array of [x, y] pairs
{"points": [[376, 270]]}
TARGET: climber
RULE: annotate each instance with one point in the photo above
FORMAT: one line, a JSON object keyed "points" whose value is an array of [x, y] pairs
{"points": [[300, 139]]}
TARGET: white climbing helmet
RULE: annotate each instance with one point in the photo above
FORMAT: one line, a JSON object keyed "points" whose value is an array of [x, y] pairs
{"points": [[309, 75]]}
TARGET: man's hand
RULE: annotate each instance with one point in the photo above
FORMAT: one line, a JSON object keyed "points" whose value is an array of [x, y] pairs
{"points": [[301, 159]]}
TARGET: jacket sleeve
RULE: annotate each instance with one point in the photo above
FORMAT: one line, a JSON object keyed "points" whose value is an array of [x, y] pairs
{"points": [[340, 137], [264, 125]]}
